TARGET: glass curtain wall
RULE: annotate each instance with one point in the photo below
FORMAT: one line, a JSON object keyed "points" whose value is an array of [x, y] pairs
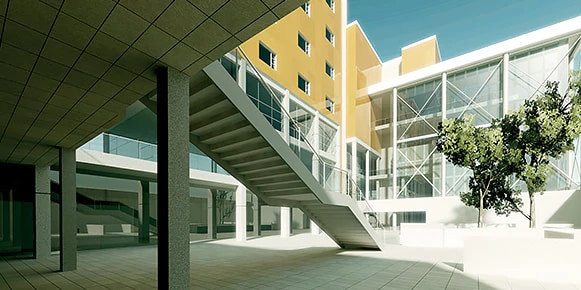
{"points": [[419, 110], [476, 90]]}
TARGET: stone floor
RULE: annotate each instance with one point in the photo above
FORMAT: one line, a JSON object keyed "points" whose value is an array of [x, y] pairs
{"points": [[302, 261]]}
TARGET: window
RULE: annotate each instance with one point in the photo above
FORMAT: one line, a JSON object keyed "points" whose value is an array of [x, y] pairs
{"points": [[329, 104], [267, 56], [307, 8], [304, 85], [329, 35], [329, 70], [331, 4], [304, 44]]}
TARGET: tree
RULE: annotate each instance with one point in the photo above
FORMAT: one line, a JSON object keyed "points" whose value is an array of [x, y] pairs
{"points": [[224, 204], [481, 150], [543, 128]]}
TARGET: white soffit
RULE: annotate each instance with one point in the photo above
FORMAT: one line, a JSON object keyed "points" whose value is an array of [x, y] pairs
{"points": [[531, 39]]}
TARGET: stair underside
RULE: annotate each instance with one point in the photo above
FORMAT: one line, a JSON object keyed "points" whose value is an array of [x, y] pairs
{"points": [[226, 126]]}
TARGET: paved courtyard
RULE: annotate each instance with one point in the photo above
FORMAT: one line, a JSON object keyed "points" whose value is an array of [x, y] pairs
{"points": [[302, 261]]}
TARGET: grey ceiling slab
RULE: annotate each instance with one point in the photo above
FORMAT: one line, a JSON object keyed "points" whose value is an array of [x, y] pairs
{"points": [[155, 42], [23, 37], [105, 88], [142, 85], [92, 65], [119, 76], [147, 9], [124, 25], [3, 4], [180, 18], [255, 27], [106, 47], [72, 31], [135, 61], [60, 52], [223, 48], [80, 79], [51, 69], [92, 13], [99, 57], [235, 15], [209, 7], [13, 73], [181, 56], [41, 82], [17, 57], [207, 36], [34, 14]]}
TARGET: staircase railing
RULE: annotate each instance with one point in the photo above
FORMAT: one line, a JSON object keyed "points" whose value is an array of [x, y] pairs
{"points": [[334, 180]]}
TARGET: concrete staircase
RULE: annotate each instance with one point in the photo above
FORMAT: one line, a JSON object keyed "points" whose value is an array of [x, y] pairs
{"points": [[227, 126]]}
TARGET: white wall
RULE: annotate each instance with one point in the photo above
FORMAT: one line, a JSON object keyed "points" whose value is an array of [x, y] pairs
{"points": [[554, 207]]}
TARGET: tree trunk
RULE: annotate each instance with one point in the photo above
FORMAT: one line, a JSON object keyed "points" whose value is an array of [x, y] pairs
{"points": [[532, 220], [481, 210]]}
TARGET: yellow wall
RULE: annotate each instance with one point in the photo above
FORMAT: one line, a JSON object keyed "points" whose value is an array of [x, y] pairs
{"points": [[362, 70], [422, 54], [282, 39]]}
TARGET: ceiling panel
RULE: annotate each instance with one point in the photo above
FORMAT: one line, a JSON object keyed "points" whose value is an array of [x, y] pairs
{"points": [[68, 70]]}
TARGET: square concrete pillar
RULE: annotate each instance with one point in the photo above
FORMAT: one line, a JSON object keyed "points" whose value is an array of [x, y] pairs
{"points": [[315, 230], [257, 217], [68, 209], [143, 208], [241, 213], [212, 225], [285, 222], [42, 212], [173, 179]]}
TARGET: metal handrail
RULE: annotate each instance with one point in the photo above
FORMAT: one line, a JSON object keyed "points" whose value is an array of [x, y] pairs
{"points": [[347, 174]]}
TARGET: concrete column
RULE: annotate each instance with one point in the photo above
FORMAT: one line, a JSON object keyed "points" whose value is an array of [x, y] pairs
{"points": [[367, 168], [285, 222], [106, 143], [68, 209], [285, 118], [173, 180], [394, 143], [241, 73], [257, 218], [143, 208], [212, 225], [315, 230], [444, 113], [354, 167], [241, 213], [505, 73], [42, 212]]}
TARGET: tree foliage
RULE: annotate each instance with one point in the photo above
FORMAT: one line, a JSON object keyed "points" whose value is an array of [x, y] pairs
{"points": [[543, 128], [520, 144], [482, 151]]}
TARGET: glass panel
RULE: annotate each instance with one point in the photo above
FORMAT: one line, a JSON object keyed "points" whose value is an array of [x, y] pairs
{"points": [[529, 71], [229, 66], [96, 144], [327, 138], [456, 179], [419, 109], [475, 91], [124, 147], [419, 169]]}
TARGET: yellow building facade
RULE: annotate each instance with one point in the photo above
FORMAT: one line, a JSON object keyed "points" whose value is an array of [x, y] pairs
{"points": [[319, 24]]}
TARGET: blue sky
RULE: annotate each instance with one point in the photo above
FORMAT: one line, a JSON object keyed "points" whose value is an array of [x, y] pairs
{"points": [[460, 25]]}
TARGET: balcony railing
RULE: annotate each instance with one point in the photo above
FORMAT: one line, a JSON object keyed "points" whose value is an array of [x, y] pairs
{"points": [[123, 146]]}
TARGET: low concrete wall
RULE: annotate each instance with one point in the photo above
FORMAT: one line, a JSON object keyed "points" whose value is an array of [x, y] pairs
{"points": [[526, 257], [421, 235], [441, 236]]}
